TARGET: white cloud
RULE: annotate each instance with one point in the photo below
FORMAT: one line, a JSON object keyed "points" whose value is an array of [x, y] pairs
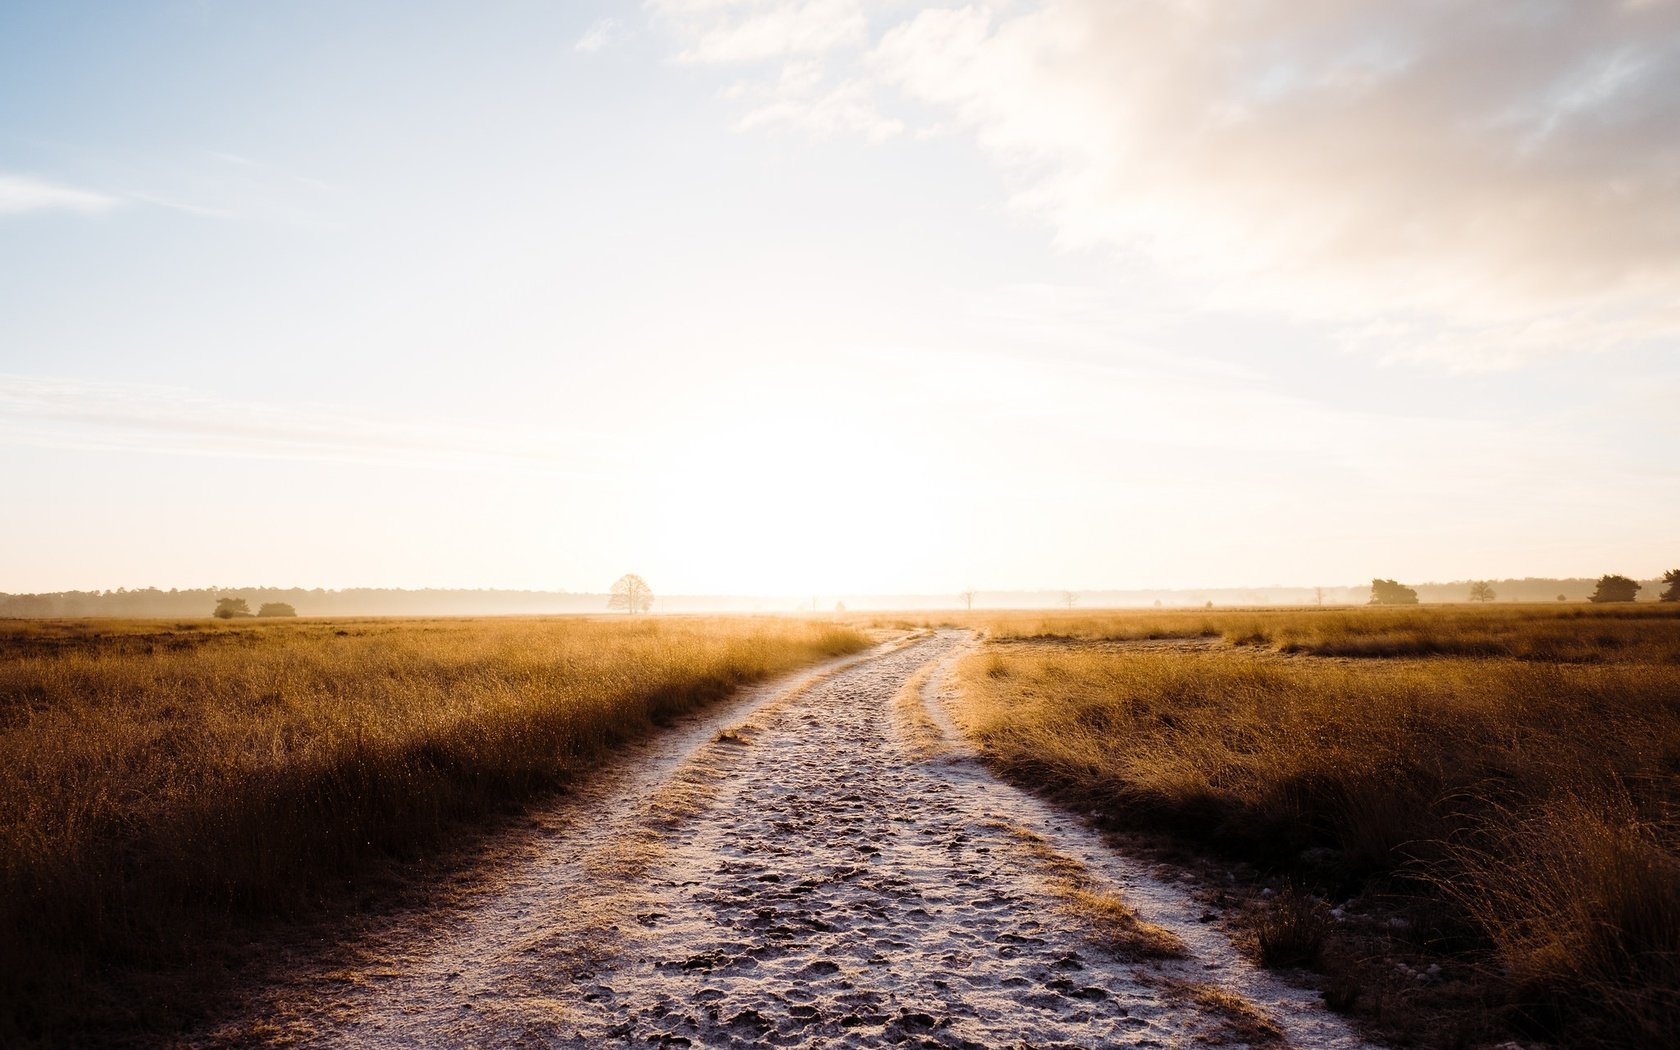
{"points": [[822, 110], [729, 31], [600, 33], [1472, 183], [21, 193]]}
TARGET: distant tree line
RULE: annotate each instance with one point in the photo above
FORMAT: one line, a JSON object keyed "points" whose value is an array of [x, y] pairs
{"points": [[196, 602], [1610, 588], [361, 601], [239, 608]]}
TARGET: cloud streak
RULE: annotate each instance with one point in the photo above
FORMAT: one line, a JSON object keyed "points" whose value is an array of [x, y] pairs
{"points": [[20, 194], [600, 33], [64, 413], [735, 31]]}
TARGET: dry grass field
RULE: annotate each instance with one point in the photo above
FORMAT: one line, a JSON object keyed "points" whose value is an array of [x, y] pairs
{"points": [[165, 787], [1500, 787]]}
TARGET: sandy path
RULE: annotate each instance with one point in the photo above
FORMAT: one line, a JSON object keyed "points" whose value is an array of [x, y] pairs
{"points": [[823, 864]]}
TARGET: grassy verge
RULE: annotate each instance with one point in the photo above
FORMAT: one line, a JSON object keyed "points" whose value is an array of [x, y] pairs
{"points": [[1524, 808], [167, 788], [1643, 634]]}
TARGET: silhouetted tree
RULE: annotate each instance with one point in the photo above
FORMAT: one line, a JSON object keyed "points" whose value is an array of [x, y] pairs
{"points": [[967, 598], [1481, 591], [1615, 589], [1563, 597], [1672, 592], [276, 609], [1388, 592], [231, 608], [631, 594], [1070, 598]]}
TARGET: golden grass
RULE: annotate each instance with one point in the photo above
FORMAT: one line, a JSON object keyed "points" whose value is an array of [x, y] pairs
{"points": [[1570, 634], [1232, 1019], [163, 783], [922, 736], [1109, 921], [1532, 802]]}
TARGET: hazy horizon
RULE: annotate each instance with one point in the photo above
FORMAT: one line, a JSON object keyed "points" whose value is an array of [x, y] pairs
{"points": [[144, 603], [838, 296]]}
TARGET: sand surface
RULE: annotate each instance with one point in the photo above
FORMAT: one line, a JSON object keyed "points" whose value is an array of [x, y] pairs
{"points": [[820, 863]]}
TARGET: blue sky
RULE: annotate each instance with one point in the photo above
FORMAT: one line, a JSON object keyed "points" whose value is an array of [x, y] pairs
{"points": [[837, 296]]}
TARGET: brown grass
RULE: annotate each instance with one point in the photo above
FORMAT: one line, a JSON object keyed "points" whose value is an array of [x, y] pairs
{"points": [[1290, 930], [1528, 804], [1232, 1019], [166, 788], [1106, 919], [921, 735], [1571, 634]]}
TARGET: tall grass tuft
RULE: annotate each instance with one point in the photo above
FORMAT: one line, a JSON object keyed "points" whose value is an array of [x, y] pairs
{"points": [[1546, 633], [1531, 803], [164, 785]]}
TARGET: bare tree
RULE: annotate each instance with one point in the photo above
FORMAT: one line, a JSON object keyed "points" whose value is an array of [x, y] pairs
{"points": [[1070, 598], [1481, 591], [967, 598], [631, 594]]}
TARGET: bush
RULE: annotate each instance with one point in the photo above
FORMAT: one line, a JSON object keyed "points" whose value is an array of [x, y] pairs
{"points": [[1388, 592], [276, 609], [1615, 589]]}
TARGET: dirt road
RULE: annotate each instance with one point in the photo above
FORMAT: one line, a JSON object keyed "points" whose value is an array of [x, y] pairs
{"points": [[822, 863]]}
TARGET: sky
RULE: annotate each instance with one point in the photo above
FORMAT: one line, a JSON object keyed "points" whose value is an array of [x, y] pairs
{"points": [[837, 296]]}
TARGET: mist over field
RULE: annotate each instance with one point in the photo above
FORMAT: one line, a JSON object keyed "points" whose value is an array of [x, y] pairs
{"points": [[367, 601]]}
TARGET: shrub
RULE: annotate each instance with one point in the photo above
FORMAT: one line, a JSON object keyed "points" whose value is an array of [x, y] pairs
{"points": [[1615, 589], [1388, 592]]}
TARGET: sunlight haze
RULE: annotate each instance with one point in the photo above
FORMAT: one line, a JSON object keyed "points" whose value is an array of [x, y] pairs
{"points": [[837, 296]]}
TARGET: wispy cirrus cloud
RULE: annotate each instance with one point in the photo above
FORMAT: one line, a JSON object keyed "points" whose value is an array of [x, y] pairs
{"points": [[601, 32], [67, 413], [803, 99], [734, 31], [24, 193]]}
